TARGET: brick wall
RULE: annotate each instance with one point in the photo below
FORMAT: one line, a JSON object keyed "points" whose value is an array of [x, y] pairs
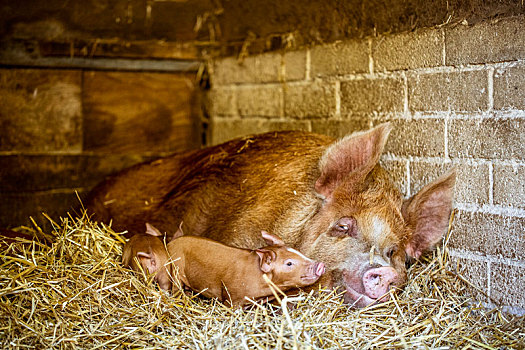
{"points": [[456, 96]]}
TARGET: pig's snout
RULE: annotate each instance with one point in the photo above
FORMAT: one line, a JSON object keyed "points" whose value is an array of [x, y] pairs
{"points": [[313, 272], [377, 282], [319, 269]]}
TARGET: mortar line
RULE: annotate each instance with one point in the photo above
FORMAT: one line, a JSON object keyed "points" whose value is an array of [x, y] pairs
{"points": [[308, 64], [441, 160], [282, 72], [445, 136], [489, 282], [491, 183], [281, 100], [481, 257], [443, 52], [408, 178], [490, 88], [370, 58], [515, 310], [338, 99], [491, 209], [405, 91]]}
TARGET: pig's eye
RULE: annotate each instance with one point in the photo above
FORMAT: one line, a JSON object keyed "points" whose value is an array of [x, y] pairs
{"points": [[289, 263], [344, 227], [390, 251]]}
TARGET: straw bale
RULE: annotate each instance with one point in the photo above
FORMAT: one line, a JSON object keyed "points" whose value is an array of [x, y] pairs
{"points": [[74, 293]]}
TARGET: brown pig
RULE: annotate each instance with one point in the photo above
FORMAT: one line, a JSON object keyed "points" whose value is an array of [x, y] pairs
{"points": [[151, 252], [329, 199], [234, 274]]}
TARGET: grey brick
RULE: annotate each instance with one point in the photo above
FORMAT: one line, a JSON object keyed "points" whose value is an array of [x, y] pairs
{"points": [[507, 284], [422, 48], [295, 65], [339, 58], [377, 95], [418, 137], [398, 172], [486, 42], [315, 99], [339, 128], [224, 130], [500, 138], [489, 234], [457, 91], [254, 69], [476, 273], [222, 101], [509, 188], [262, 100], [509, 88], [472, 181]]}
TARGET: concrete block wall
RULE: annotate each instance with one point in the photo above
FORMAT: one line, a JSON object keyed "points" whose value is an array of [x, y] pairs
{"points": [[456, 97]]}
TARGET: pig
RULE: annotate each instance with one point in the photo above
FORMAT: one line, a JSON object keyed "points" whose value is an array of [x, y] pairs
{"points": [[329, 199], [151, 252], [234, 274]]}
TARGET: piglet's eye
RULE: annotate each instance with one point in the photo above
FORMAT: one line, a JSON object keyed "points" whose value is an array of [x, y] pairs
{"points": [[344, 227], [289, 263]]}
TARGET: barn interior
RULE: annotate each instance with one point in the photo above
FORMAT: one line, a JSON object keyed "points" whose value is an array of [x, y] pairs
{"points": [[91, 87]]}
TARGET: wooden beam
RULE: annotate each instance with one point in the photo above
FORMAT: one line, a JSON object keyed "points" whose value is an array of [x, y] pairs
{"points": [[113, 64]]}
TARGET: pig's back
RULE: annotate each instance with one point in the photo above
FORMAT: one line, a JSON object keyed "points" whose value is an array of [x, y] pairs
{"points": [[205, 264], [228, 192]]}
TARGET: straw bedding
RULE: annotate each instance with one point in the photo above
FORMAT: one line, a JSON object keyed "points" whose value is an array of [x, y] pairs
{"points": [[75, 294]]}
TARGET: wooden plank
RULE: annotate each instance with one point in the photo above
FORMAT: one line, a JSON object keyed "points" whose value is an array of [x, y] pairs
{"points": [[40, 110], [32, 172], [27, 54], [15, 208], [117, 64], [118, 48], [139, 113]]}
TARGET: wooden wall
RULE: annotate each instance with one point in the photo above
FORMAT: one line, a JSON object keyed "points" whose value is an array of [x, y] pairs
{"points": [[63, 130]]}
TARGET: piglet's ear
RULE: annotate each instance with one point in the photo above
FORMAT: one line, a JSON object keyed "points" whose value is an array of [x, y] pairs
{"points": [[152, 230], [272, 239], [427, 214], [179, 232], [266, 259], [148, 261], [355, 154]]}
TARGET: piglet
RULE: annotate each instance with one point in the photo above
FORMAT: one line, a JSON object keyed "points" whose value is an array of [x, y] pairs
{"points": [[233, 274], [151, 252]]}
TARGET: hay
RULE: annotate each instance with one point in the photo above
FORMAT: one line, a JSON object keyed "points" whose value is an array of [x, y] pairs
{"points": [[75, 294]]}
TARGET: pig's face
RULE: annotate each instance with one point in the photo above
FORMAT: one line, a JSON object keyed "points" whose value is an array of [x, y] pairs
{"points": [[149, 251], [289, 268], [364, 231]]}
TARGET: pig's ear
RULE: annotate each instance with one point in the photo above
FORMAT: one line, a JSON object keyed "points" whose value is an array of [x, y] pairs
{"points": [[152, 230], [266, 259], [179, 232], [272, 239], [148, 260], [427, 214], [355, 154]]}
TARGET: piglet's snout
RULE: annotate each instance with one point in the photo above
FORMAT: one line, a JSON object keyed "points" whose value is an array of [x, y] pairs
{"points": [[377, 281], [319, 269]]}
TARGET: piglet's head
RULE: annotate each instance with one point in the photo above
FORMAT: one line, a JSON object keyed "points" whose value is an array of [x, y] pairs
{"points": [[364, 230], [287, 267]]}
